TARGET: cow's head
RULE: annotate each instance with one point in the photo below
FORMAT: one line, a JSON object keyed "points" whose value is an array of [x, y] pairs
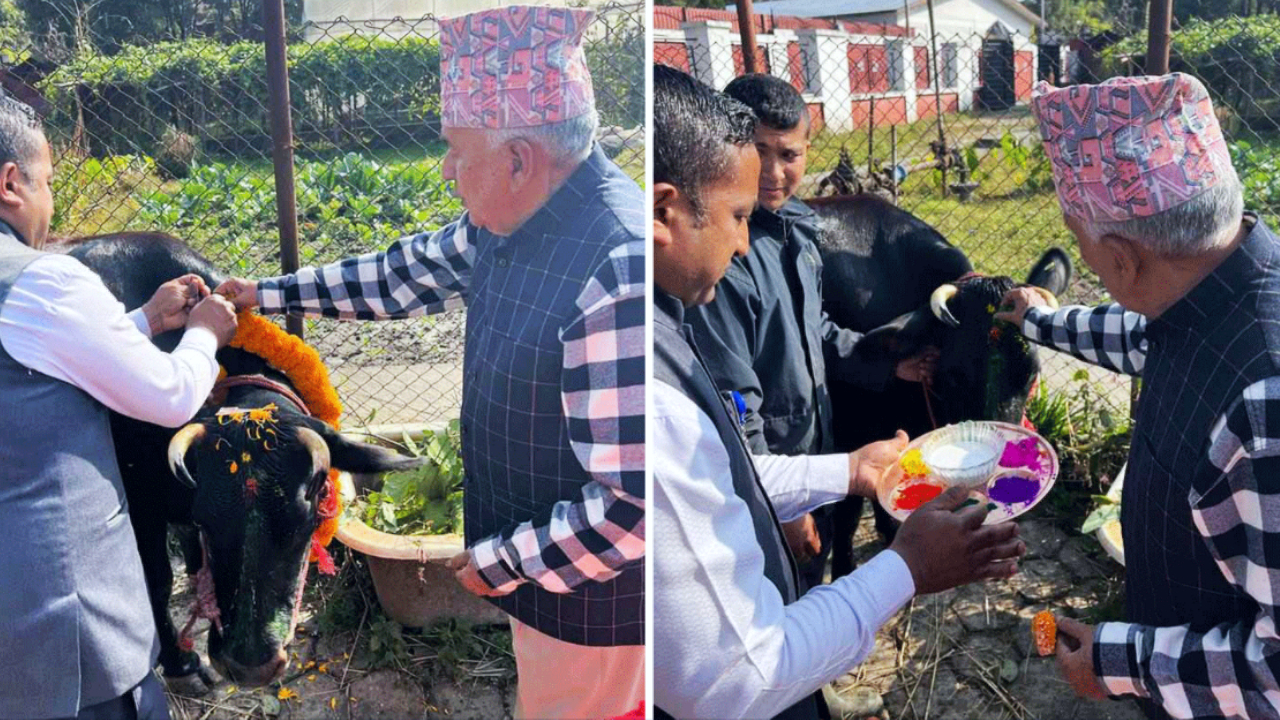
{"points": [[259, 478], [987, 368]]}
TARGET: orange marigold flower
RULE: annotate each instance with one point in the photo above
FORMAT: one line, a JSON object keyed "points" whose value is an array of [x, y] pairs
{"points": [[1044, 630]]}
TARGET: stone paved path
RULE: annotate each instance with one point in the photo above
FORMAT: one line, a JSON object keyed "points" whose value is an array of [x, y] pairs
{"points": [[961, 655]]}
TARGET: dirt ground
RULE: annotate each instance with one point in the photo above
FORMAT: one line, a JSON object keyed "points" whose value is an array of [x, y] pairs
{"points": [[960, 655]]}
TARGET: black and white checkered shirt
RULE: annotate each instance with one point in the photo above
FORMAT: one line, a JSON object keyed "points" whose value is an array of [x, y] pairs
{"points": [[1201, 505], [553, 391]]}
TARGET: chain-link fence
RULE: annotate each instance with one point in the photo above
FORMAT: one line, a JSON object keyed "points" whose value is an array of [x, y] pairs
{"points": [[941, 122], [174, 136]]}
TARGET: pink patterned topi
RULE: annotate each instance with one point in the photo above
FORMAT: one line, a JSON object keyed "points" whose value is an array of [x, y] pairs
{"points": [[1132, 146], [517, 66]]}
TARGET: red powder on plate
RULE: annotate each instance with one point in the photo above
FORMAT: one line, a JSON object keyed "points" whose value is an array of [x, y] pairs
{"points": [[917, 494]]}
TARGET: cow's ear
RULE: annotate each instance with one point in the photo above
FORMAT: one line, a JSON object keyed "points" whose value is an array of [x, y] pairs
{"points": [[360, 457], [902, 337], [1052, 271]]}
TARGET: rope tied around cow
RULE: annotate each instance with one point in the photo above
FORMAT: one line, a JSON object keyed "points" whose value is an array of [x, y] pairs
{"points": [[314, 397], [205, 604]]}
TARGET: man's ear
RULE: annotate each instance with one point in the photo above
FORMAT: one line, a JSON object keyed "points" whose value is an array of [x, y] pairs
{"points": [[1126, 260], [665, 197], [11, 180], [520, 155]]}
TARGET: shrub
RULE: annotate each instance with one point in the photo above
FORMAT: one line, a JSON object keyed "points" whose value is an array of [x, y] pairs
{"points": [[1238, 59], [176, 154], [347, 86]]}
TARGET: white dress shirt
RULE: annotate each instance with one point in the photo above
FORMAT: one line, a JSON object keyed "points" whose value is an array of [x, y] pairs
{"points": [[725, 645], [60, 320]]}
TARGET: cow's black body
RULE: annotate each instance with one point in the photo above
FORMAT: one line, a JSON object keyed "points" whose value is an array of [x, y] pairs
{"points": [[879, 262], [880, 266], [133, 266]]}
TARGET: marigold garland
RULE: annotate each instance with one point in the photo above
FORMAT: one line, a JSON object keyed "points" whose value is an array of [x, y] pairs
{"points": [[293, 357], [310, 378]]}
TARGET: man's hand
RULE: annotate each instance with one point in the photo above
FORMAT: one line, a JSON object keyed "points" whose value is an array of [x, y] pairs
{"points": [[920, 368], [465, 570], [868, 463], [802, 537], [1017, 301], [171, 304], [945, 547], [1075, 658], [244, 293], [217, 316]]}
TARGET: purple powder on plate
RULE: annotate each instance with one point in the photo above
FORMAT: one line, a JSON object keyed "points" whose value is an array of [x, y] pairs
{"points": [[1014, 489]]}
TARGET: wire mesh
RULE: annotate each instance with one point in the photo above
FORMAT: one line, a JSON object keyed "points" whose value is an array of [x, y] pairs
{"points": [[174, 136], [875, 102]]}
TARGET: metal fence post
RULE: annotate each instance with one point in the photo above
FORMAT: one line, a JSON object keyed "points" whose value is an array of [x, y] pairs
{"points": [[281, 141], [747, 28], [1161, 24]]}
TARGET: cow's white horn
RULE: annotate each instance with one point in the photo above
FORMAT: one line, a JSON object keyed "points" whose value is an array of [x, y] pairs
{"points": [[938, 304], [182, 441], [319, 450], [1048, 296]]}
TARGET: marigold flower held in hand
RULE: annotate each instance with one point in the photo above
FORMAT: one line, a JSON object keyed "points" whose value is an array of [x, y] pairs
{"points": [[1044, 630]]}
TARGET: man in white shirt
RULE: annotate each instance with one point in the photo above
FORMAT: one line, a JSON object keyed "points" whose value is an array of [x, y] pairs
{"points": [[78, 639], [731, 637]]}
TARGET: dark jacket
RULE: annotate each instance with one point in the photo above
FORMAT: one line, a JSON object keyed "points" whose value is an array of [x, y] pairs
{"points": [[766, 335]]}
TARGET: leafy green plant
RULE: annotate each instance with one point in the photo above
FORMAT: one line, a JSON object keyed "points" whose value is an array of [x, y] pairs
{"points": [[423, 501], [1258, 165], [1092, 441], [1105, 511], [1237, 58]]}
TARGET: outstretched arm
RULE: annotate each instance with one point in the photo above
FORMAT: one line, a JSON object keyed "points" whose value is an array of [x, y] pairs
{"points": [[418, 275]]}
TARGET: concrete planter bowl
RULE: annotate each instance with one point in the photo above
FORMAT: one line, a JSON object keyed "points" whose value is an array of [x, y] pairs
{"points": [[413, 584]]}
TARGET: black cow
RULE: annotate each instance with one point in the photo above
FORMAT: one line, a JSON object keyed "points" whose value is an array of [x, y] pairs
{"points": [[253, 519], [892, 276]]}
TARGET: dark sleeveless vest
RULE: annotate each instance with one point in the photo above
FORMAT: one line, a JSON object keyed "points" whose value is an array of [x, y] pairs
{"points": [[677, 363], [1201, 354], [524, 289], [75, 622]]}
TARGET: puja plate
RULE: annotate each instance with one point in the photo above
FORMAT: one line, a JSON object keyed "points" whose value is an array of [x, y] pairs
{"points": [[1024, 475]]}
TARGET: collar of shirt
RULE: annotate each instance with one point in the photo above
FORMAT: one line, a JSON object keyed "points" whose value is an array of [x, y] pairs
{"points": [[670, 309], [1204, 306], [7, 229], [780, 222], [563, 203]]}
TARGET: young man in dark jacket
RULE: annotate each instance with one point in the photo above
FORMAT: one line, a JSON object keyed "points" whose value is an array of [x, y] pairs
{"points": [[766, 335]]}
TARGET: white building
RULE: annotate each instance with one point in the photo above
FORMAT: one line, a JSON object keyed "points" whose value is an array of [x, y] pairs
{"points": [[952, 16]]}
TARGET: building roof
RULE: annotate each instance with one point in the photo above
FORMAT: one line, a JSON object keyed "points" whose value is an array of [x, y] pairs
{"points": [[834, 8], [825, 8]]}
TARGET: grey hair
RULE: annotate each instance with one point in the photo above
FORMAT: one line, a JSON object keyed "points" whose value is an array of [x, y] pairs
{"points": [[1197, 226], [21, 133], [569, 141]]}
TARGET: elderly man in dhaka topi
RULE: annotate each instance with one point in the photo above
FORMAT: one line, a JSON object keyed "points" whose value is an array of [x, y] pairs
{"points": [[1148, 189], [549, 261]]}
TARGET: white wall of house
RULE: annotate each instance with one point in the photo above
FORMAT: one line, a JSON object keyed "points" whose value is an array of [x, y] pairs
{"points": [[970, 16]]}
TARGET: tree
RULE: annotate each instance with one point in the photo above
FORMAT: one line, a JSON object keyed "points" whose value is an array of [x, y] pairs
{"points": [[107, 25]]}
